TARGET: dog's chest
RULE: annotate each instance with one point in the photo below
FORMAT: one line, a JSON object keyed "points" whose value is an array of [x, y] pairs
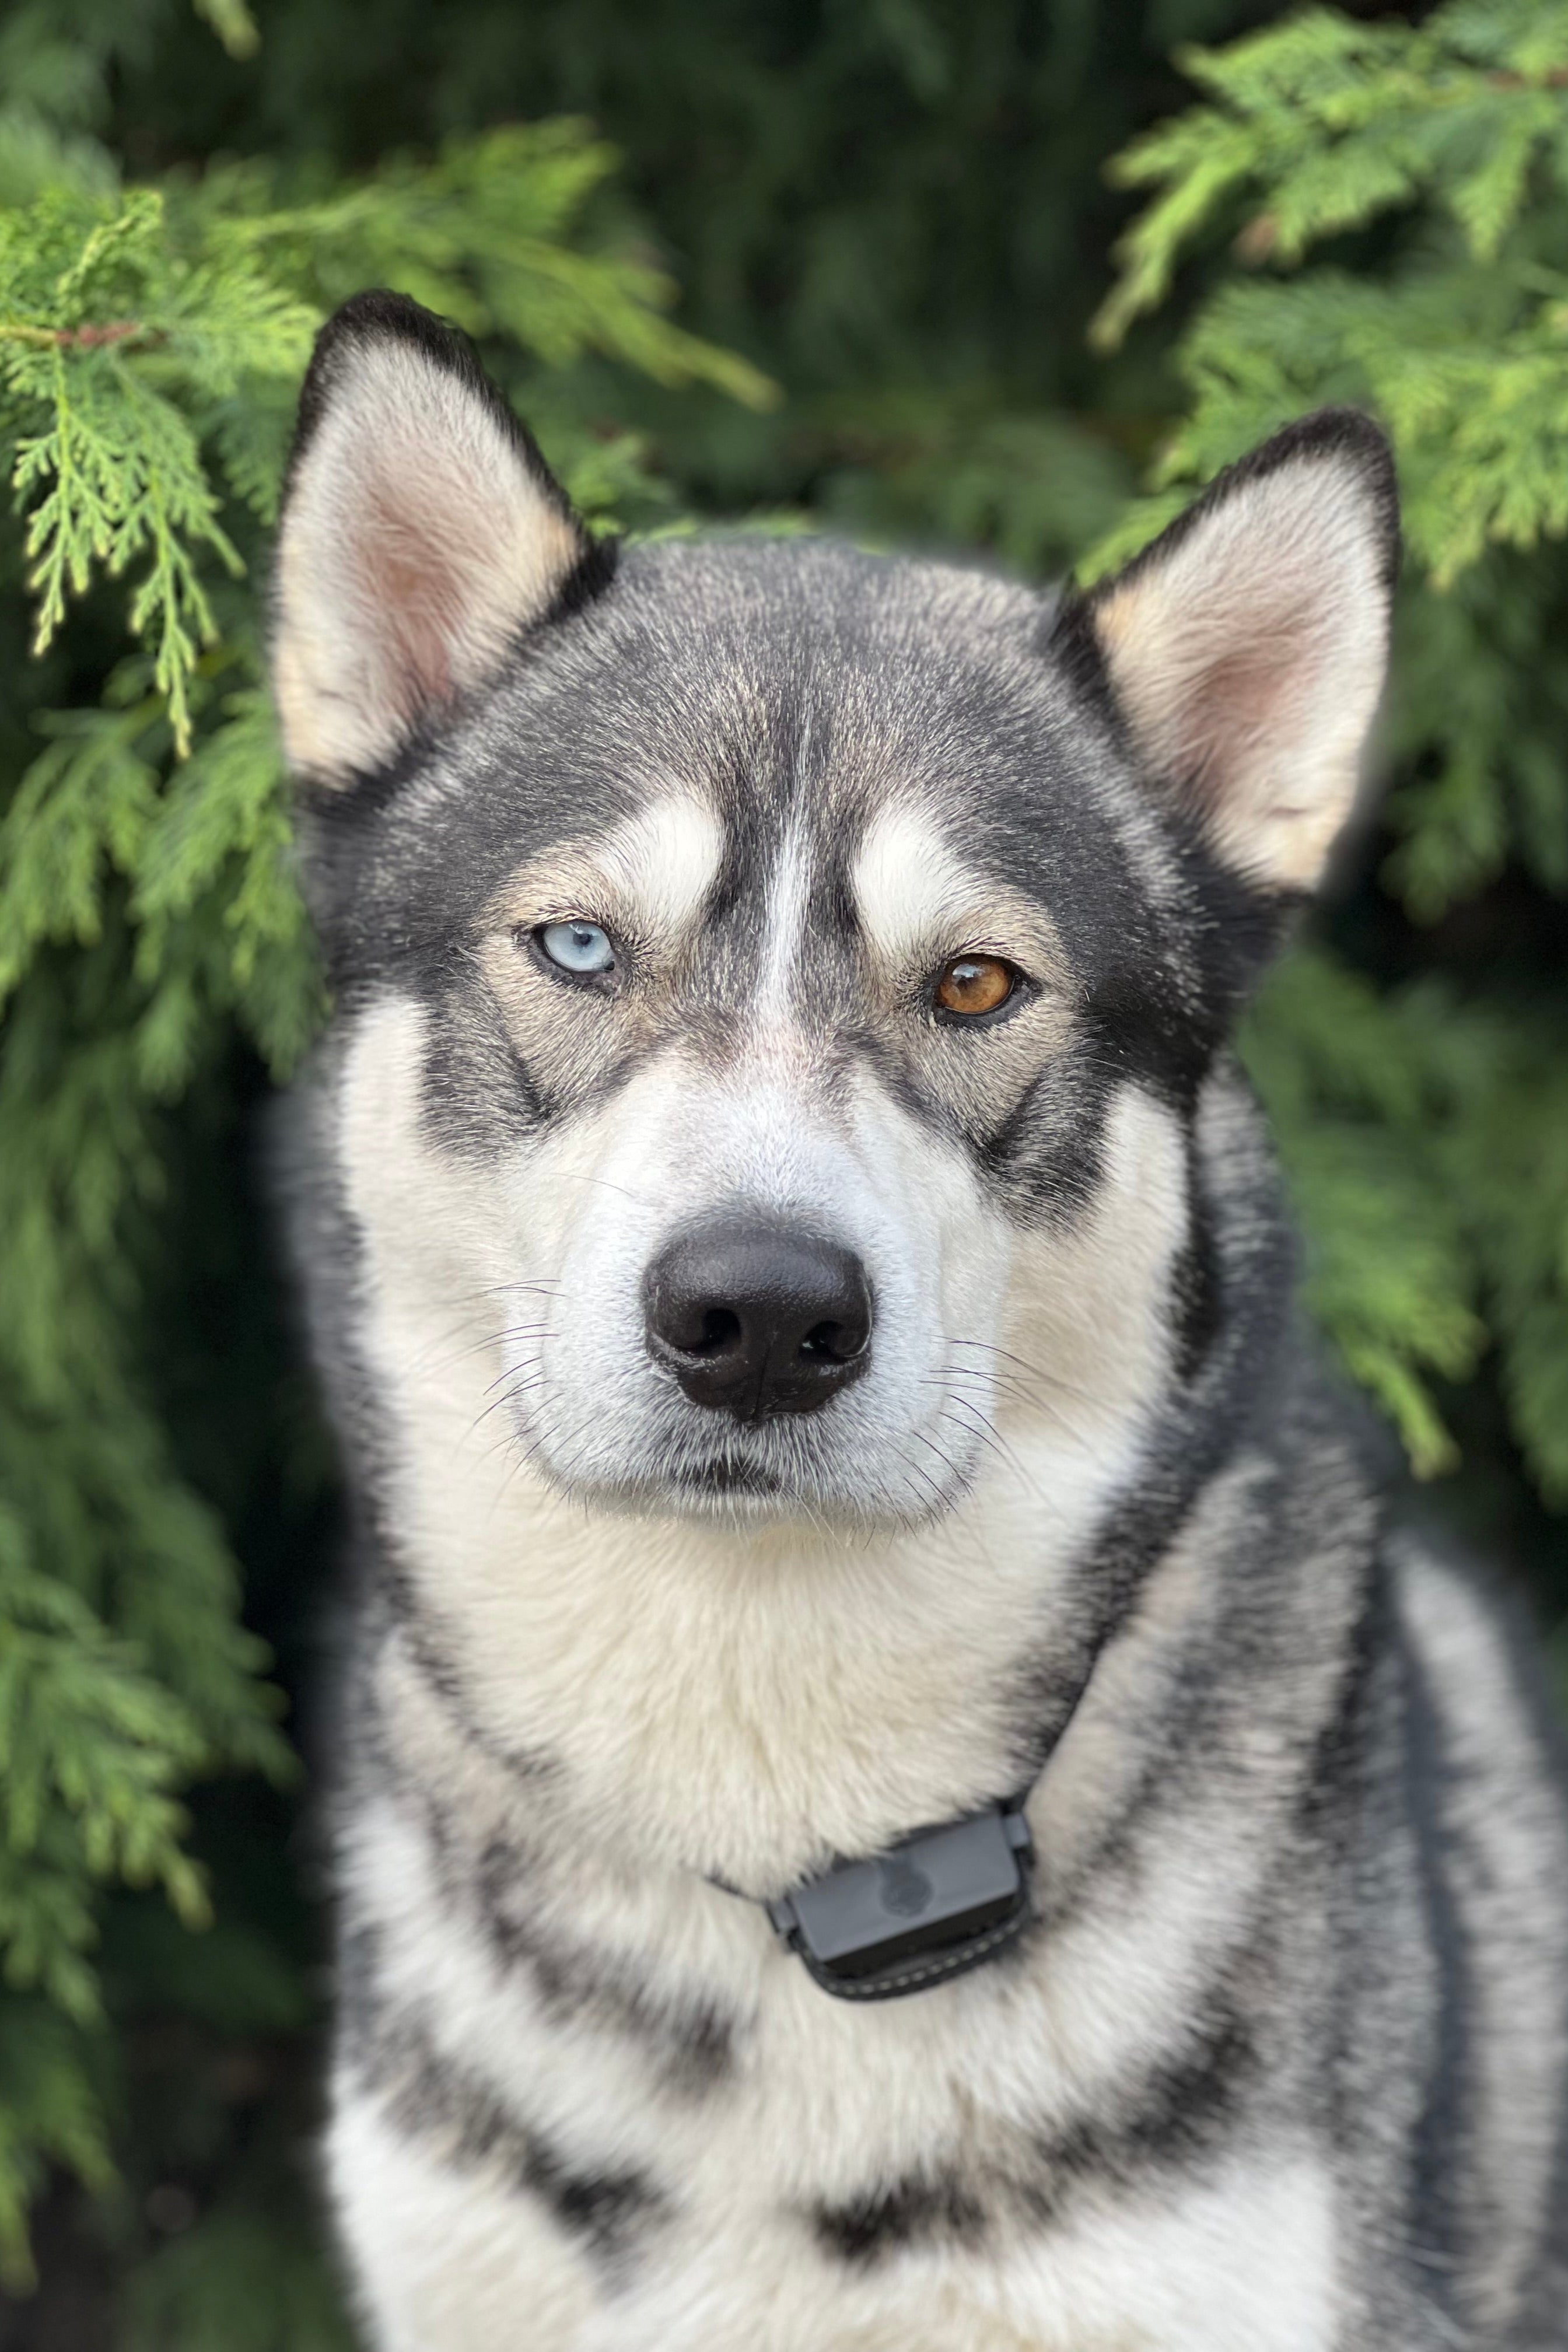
{"points": [[737, 2158]]}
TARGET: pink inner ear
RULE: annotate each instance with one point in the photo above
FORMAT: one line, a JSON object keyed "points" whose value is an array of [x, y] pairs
{"points": [[423, 613], [1231, 709], [415, 571]]}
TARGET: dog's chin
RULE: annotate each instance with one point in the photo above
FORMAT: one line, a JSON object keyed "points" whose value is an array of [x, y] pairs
{"points": [[734, 1488]]}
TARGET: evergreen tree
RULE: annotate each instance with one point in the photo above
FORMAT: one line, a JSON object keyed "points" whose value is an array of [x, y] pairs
{"points": [[897, 213]]}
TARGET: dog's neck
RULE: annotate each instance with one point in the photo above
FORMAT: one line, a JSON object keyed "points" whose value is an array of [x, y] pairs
{"points": [[687, 1753], [741, 1700]]}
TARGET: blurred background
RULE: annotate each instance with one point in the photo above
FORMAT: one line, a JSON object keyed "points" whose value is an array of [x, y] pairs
{"points": [[1008, 277]]}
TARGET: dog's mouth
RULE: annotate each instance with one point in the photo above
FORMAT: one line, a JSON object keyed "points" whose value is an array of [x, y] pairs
{"points": [[724, 1476], [773, 1471]]}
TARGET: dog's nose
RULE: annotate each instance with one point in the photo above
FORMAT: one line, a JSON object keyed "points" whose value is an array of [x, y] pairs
{"points": [[756, 1317]]}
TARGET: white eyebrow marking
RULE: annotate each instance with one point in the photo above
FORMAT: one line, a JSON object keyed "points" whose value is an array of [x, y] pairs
{"points": [[665, 860], [908, 886], [789, 893]]}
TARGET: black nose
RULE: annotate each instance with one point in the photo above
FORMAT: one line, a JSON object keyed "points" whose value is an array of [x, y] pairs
{"points": [[758, 1318]]}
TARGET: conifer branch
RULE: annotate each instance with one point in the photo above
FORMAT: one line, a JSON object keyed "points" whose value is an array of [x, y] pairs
{"points": [[85, 338]]}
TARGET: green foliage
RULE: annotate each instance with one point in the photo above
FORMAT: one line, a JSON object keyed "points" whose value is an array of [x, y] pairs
{"points": [[1424, 1129], [1333, 121], [49, 2115], [106, 457], [236, 2283], [480, 233], [969, 470]]}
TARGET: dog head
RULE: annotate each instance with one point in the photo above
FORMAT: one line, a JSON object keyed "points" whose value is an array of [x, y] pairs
{"points": [[778, 984]]}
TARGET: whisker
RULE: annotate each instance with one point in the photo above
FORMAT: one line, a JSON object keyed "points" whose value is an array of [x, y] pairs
{"points": [[948, 1464], [988, 1383], [1011, 1461], [506, 1289], [1035, 1371], [540, 1332], [577, 1176], [986, 1436], [916, 1471], [433, 1358], [1036, 1403], [523, 1378]]}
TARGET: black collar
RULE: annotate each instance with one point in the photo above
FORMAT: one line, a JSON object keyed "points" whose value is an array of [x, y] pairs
{"points": [[938, 1902]]}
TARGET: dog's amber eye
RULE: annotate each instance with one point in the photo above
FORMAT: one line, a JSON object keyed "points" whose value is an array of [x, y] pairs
{"points": [[971, 985]]}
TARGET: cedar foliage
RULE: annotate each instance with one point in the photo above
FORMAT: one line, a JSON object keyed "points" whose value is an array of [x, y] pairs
{"points": [[897, 213]]}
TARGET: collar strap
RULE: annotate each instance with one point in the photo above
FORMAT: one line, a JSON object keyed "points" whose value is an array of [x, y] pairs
{"points": [[930, 1908]]}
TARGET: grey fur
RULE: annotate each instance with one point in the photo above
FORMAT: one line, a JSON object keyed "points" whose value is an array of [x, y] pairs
{"points": [[1311, 1810]]}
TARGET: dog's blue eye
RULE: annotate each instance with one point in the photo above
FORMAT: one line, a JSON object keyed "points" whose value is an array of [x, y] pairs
{"points": [[576, 947]]}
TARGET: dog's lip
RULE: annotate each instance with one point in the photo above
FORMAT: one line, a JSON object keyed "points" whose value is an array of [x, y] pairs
{"points": [[722, 1474]]}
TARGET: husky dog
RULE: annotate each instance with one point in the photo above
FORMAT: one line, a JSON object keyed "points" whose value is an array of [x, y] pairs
{"points": [[898, 1793]]}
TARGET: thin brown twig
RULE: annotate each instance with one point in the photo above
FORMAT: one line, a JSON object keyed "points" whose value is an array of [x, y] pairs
{"points": [[91, 336]]}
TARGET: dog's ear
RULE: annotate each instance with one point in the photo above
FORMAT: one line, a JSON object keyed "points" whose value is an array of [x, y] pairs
{"points": [[421, 531], [1246, 649]]}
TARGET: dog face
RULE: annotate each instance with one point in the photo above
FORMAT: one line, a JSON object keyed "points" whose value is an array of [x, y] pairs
{"points": [[775, 984]]}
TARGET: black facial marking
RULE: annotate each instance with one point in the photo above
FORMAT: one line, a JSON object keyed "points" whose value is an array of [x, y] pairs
{"points": [[478, 1093], [1236, 931], [589, 577], [1143, 1031], [1045, 1158], [725, 1474]]}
